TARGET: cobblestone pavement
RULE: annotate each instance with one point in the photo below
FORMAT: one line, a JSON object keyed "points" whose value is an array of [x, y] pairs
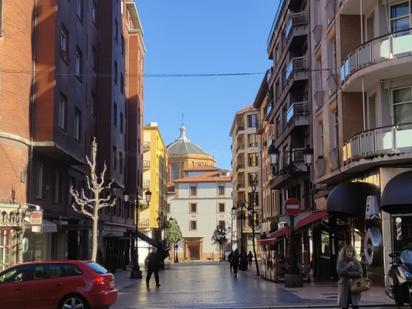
{"points": [[211, 285]]}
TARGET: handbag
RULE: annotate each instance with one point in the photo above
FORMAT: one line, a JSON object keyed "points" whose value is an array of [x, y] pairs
{"points": [[360, 285]]}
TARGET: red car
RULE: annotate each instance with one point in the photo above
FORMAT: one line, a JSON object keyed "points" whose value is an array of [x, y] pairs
{"points": [[57, 284]]}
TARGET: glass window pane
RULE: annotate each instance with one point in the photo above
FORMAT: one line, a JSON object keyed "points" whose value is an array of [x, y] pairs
{"points": [[403, 113], [402, 95], [400, 9], [400, 24]]}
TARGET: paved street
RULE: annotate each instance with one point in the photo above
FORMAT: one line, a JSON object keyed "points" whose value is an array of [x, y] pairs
{"points": [[211, 285]]}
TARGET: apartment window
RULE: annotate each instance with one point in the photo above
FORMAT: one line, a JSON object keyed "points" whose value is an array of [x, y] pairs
{"points": [[399, 15], [193, 225], [222, 223], [221, 207], [221, 190], [121, 123], [121, 162], [252, 140], [252, 121], [115, 114], [402, 105], [79, 9], [252, 159], [78, 66], [93, 107], [77, 124], [39, 180], [252, 178], [193, 190], [116, 30], [72, 184], [114, 157], [193, 207], [94, 54], [57, 187], [253, 198], [122, 41], [175, 171], [64, 43], [115, 72], [62, 111], [121, 83]]}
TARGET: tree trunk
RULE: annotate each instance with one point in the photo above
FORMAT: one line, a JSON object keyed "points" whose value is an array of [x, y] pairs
{"points": [[94, 238]]}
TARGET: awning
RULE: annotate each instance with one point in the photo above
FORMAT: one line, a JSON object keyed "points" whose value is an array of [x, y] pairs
{"points": [[397, 195], [349, 198], [46, 227], [271, 238], [313, 217]]}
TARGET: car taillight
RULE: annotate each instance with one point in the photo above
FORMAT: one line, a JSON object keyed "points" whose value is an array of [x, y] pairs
{"points": [[99, 280]]}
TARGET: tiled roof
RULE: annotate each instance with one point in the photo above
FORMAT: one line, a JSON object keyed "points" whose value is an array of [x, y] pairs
{"points": [[214, 176]]}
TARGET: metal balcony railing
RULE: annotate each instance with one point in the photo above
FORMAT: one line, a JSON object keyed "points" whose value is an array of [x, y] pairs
{"points": [[384, 48], [296, 110], [295, 19], [294, 65], [379, 141]]}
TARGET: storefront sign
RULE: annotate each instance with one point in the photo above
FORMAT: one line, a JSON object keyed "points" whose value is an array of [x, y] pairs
{"points": [[372, 208], [36, 217], [292, 207]]}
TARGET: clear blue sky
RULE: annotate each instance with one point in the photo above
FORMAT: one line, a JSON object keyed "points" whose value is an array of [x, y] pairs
{"points": [[209, 36]]}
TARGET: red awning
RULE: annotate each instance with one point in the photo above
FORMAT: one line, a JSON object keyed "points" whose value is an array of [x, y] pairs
{"points": [[313, 217], [271, 238]]}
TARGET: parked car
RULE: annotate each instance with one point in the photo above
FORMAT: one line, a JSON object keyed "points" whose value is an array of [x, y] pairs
{"points": [[57, 284]]}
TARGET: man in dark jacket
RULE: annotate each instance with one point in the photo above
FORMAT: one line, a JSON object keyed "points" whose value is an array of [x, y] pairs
{"points": [[153, 267]]}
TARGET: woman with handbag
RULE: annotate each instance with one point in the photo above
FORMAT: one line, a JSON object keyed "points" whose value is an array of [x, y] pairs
{"points": [[348, 269]]}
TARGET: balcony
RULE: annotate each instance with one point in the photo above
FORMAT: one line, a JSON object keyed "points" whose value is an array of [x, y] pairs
{"points": [[385, 57], [297, 112], [146, 184], [146, 164], [144, 223], [146, 146], [240, 147], [296, 25], [240, 129], [296, 69], [240, 186], [391, 143], [352, 7], [240, 166]]}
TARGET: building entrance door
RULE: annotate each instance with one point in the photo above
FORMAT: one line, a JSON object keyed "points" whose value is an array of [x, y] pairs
{"points": [[194, 251], [193, 248]]}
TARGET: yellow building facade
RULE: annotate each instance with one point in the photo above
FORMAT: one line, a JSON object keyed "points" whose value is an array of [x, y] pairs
{"points": [[155, 162]]}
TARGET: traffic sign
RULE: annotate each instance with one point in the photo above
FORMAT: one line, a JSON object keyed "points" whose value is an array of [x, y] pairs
{"points": [[292, 206]]}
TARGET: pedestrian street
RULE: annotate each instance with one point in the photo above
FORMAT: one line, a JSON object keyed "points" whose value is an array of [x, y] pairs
{"points": [[211, 285]]}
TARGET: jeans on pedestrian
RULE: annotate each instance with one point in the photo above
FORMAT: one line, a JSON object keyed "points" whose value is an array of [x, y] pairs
{"points": [[149, 275]]}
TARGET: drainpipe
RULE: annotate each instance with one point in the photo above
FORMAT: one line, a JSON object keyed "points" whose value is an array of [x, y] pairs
{"points": [[363, 104], [361, 21]]}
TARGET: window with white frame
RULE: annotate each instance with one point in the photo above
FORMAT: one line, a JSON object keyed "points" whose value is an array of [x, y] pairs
{"points": [[5, 245], [400, 14], [62, 111], [77, 124], [402, 105]]}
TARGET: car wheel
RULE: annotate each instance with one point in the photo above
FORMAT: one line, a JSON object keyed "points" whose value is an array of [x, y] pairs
{"points": [[73, 302]]}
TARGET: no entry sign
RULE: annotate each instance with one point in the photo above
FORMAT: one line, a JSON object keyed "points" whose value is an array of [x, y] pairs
{"points": [[292, 206]]}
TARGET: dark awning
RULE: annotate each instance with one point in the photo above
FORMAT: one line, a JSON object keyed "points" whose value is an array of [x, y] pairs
{"points": [[397, 195], [271, 238], [349, 198]]}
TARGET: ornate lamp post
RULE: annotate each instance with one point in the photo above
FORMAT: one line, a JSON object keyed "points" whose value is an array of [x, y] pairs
{"points": [[136, 273], [293, 278]]}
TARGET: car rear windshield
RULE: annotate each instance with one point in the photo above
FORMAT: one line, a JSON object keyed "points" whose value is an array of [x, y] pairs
{"points": [[97, 268]]}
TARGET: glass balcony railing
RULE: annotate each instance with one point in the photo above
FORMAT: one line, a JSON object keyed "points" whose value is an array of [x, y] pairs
{"points": [[379, 141], [294, 65], [295, 19], [296, 110], [384, 48]]}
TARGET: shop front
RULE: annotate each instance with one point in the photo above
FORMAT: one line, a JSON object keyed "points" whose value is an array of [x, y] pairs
{"points": [[273, 255]]}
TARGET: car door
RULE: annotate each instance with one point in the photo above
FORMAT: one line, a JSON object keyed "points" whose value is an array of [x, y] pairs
{"points": [[15, 291]]}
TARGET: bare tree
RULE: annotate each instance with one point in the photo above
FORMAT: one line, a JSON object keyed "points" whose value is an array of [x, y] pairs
{"points": [[90, 206]]}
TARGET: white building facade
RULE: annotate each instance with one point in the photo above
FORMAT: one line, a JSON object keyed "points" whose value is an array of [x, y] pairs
{"points": [[201, 201]]}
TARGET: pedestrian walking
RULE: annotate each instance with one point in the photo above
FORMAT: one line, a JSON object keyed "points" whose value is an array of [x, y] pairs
{"points": [[153, 265], [348, 268], [235, 262], [229, 258], [243, 260], [250, 258]]}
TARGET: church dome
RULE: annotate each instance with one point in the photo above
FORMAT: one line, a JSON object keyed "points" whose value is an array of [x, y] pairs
{"points": [[182, 145]]}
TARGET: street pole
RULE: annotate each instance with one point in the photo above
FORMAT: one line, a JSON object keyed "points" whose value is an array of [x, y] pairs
{"points": [[241, 227], [252, 206], [136, 272]]}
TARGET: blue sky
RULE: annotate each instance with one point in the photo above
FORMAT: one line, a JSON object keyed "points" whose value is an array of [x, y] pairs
{"points": [[209, 36]]}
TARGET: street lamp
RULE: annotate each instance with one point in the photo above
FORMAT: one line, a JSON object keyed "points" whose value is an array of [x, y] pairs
{"points": [[293, 277], [233, 213], [136, 273]]}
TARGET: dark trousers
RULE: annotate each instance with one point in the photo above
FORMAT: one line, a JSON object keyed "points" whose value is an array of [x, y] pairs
{"points": [[149, 275], [235, 268]]}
